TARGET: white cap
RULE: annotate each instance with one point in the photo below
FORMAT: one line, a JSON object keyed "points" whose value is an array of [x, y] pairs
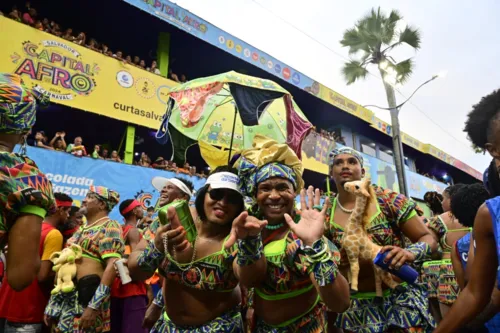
{"points": [[224, 180], [160, 182]]}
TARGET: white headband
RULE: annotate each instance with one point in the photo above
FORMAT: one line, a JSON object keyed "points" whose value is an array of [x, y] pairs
{"points": [[176, 182], [224, 180]]}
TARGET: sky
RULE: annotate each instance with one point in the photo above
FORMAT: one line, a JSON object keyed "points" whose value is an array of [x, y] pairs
{"points": [[459, 38]]}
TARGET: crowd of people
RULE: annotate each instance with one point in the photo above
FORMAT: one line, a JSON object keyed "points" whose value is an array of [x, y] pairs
{"points": [[77, 148], [30, 16], [226, 264]]}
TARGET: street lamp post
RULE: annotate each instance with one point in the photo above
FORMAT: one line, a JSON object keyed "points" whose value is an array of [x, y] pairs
{"points": [[397, 142]]}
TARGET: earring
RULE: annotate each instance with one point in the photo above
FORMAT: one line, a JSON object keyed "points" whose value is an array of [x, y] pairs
{"points": [[24, 145]]}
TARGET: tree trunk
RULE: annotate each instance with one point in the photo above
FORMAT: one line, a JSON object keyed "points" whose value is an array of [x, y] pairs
{"points": [[397, 144]]}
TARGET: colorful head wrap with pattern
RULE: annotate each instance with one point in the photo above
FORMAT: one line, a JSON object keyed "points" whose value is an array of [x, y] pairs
{"points": [[268, 159], [18, 104], [348, 151], [109, 197]]}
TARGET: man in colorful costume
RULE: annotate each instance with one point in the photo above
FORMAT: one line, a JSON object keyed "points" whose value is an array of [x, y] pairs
{"points": [[294, 265], [87, 307], [25, 193], [396, 226]]}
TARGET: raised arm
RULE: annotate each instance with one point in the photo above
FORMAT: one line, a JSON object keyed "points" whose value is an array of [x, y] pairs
{"points": [[477, 294], [250, 265]]}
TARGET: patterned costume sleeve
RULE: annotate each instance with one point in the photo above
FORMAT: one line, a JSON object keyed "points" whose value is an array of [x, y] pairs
{"points": [[111, 245], [397, 207], [150, 231], [23, 190], [437, 225]]}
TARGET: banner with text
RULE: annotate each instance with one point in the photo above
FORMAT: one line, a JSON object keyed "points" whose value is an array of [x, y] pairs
{"points": [[81, 78], [73, 176]]}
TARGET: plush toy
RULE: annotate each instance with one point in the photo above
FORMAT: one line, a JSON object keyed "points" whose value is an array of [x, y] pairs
{"points": [[357, 242], [65, 268]]}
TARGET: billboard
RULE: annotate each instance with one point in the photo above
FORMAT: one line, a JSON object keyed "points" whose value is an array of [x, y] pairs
{"points": [[82, 78]]}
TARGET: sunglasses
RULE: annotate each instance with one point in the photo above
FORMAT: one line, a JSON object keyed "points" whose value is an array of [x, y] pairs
{"points": [[232, 197]]}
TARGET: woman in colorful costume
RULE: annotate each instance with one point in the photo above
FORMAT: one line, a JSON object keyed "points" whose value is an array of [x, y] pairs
{"points": [[295, 271], [439, 273], [87, 307], [396, 226], [25, 193], [203, 293]]}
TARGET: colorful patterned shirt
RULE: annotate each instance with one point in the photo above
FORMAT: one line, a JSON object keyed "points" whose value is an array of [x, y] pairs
{"points": [[100, 242], [393, 210], [23, 190]]}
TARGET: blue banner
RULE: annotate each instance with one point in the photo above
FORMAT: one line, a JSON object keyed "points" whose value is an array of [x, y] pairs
{"points": [[196, 26], [73, 176]]}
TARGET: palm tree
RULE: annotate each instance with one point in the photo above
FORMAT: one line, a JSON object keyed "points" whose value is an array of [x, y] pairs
{"points": [[370, 43]]}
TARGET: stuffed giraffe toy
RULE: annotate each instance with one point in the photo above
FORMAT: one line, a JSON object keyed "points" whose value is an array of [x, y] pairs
{"points": [[357, 243]]}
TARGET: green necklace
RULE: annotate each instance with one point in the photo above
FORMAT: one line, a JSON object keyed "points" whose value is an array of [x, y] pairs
{"points": [[296, 219], [275, 226]]}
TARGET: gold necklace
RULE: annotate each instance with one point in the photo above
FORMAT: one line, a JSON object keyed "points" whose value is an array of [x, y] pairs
{"points": [[95, 222]]}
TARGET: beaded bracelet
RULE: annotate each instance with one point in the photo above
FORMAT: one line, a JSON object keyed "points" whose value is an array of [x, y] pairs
{"points": [[150, 258], [421, 250], [100, 295], [321, 262], [249, 250]]}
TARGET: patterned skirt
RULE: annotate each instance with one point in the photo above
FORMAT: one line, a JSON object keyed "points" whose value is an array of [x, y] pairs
{"points": [[431, 277], [448, 286], [67, 310], [312, 322], [229, 322], [403, 312]]}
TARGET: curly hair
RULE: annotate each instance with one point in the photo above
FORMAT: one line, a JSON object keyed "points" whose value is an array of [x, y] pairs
{"points": [[433, 200], [451, 190], [481, 120], [466, 202]]}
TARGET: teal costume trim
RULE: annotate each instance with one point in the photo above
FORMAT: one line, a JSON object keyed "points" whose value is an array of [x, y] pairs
{"points": [[102, 292], [251, 175], [150, 259], [249, 250]]}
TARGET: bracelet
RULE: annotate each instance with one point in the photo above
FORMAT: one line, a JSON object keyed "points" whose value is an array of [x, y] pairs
{"points": [[319, 208], [421, 250], [249, 250], [159, 301], [150, 258], [321, 262], [101, 293]]}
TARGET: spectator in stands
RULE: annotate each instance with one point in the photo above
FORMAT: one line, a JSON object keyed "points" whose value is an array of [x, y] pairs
{"points": [[128, 60], [105, 49], [14, 14], [142, 64], [77, 148], [80, 39], [129, 302], [23, 310], [115, 157], [29, 17], [154, 68], [93, 45], [56, 30], [160, 163], [137, 61], [172, 166], [68, 35], [183, 78], [46, 25], [41, 140], [186, 169], [105, 154], [95, 153], [118, 55], [144, 161], [173, 76], [58, 142], [39, 25]]}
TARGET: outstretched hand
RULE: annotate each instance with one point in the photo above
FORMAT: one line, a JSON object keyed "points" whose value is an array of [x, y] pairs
{"points": [[244, 226], [311, 226]]}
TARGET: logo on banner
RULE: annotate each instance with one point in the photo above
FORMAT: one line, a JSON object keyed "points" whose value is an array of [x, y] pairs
{"points": [[125, 79], [296, 78], [286, 73], [277, 68], [58, 64]]}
